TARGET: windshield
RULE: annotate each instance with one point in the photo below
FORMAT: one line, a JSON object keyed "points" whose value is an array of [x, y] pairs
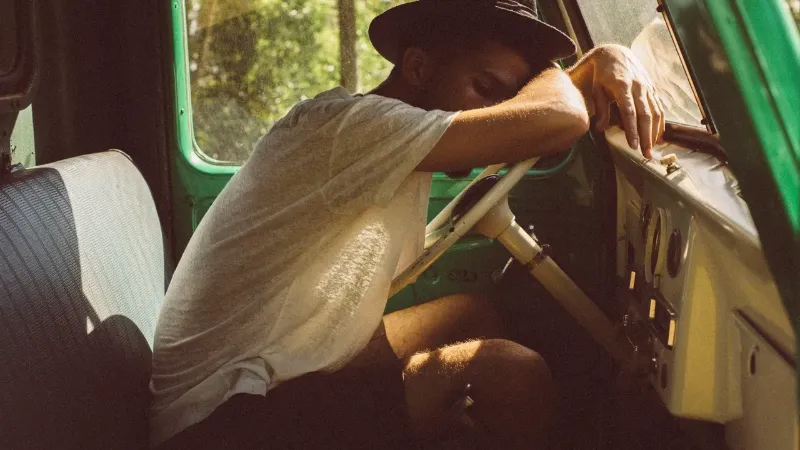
{"points": [[637, 24]]}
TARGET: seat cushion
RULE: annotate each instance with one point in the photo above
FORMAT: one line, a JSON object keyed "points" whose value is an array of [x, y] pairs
{"points": [[81, 282]]}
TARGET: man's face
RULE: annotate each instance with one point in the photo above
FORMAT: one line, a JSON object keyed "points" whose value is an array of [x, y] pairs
{"points": [[488, 74]]}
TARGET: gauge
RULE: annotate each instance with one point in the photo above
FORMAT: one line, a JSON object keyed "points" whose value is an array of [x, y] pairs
{"points": [[654, 244], [631, 256], [674, 250], [644, 220]]}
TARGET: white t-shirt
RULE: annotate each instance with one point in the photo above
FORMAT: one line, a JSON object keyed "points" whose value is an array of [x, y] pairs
{"points": [[289, 271]]}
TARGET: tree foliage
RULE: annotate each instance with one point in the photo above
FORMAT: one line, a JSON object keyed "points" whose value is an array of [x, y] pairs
{"points": [[252, 60]]}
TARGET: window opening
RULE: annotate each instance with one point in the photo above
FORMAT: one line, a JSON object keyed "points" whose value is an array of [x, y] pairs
{"points": [[252, 60]]}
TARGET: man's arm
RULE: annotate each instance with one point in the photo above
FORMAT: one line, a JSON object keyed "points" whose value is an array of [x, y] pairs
{"points": [[546, 116], [550, 113]]}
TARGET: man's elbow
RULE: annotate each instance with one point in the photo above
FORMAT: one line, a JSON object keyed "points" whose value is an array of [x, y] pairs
{"points": [[574, 120], [572, 112], [579, 121]]}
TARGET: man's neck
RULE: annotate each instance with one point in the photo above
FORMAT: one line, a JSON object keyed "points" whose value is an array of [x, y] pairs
{"points": [[394, 88]]}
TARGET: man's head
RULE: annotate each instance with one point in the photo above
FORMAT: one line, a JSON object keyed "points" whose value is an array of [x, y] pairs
{"points": [[464, 54], [456, 69]]}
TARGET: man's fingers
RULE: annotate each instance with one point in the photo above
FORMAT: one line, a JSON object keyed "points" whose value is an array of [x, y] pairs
{"points": [[644, 118], [663, 124], [655, 110], [627, 111], [602, 109], [658, 116]]}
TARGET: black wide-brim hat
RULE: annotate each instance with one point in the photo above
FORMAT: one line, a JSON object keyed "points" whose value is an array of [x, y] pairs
{"points": [[518, 19]]}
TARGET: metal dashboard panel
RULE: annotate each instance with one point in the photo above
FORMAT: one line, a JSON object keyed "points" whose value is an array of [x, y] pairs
{"points": [[722, 280]]}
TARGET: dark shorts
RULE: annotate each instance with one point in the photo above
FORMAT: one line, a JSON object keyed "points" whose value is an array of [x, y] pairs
{"points": [[354, 408]]}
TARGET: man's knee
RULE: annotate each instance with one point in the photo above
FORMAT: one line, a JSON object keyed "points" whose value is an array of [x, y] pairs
{"points": [[494, 367], [510, 384], [516, 401], [512, 373]]}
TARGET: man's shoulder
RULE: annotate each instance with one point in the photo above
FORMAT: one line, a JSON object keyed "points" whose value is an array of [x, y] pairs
{"points": [[337, 93], [319, 108], [326, 106], [335, 99]]}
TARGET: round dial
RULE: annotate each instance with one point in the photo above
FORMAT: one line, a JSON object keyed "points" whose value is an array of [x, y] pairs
{"points": [[674, 252], [644, 220], [655, 243]]}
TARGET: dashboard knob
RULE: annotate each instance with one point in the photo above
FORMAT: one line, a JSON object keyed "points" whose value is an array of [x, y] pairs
{"points": [[668, 159]]}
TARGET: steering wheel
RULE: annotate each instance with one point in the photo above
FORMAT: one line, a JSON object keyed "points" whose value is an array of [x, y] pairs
{"points": [[483, 206], [461, 215]]}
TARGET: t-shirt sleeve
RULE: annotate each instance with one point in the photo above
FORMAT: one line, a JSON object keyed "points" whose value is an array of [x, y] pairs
{"points": [[376, 143]]}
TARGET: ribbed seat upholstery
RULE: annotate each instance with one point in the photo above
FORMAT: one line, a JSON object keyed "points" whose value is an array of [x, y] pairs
{"points": [[81, 281]]}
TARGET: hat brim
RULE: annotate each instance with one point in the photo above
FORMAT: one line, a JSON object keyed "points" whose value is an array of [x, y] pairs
{"points": [[547, 42]]}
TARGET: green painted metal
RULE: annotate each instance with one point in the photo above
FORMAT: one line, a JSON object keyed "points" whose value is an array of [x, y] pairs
{"points": [[745, 56], [196, 182], [764, 49], [189, 150], [776, 45]]}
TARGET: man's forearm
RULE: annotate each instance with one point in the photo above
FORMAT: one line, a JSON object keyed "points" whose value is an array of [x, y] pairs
{"points": [[552, 86], [546, 116]]}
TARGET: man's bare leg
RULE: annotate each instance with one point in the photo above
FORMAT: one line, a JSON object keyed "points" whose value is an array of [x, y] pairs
{"points": [[452, 341], [510, 384], [444, 321]]}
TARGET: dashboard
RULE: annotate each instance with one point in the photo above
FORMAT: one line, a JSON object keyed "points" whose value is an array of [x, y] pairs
{"points": [[699, 303]]}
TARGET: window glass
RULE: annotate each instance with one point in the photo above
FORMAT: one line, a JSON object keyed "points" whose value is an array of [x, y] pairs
{"points": [[252, 60], [23, 147], [637, 24]]}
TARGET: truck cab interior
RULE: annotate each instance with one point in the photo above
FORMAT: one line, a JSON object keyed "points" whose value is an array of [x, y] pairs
{"points": [[664, 293]]}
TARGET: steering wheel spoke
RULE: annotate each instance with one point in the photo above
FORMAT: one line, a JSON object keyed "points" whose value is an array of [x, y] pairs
{"points": [[445, 240], [445, 236], [443, 217]]}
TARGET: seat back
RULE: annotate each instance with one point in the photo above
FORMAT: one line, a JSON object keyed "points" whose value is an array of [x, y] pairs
{"points": [[81, 281]]}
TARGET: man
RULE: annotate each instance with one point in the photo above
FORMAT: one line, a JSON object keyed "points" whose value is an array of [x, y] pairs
{"points": [[271, 334]]}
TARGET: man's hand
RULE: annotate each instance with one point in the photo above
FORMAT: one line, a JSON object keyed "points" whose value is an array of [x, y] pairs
{"points": [[611, 73]]}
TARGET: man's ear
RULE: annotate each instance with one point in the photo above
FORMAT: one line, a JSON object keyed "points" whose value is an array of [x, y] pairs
{"points": [[416, 67]]}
